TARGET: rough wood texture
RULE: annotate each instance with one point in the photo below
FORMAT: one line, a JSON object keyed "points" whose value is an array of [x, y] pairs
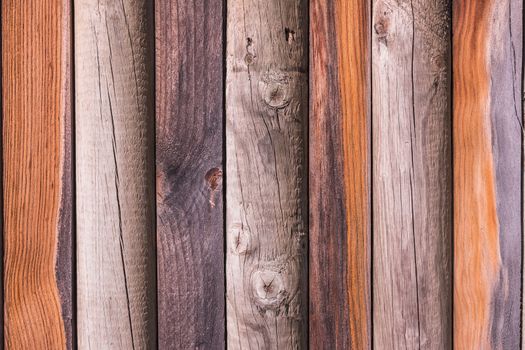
{"points": [[266, 185], [340, 175], [487, 173], [37, 174], [115, 169], [189, 174], [412, 175]]}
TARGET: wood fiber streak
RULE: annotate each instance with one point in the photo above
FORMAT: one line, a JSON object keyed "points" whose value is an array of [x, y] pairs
{"points": [[115, 174], [37, 174], [266, 182], [487, 173], [340, 318], [412, 174], [189, 155]]}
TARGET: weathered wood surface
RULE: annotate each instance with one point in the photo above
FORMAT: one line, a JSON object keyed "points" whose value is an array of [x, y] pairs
{"points": [[115, 169], [266, 184], [488, 167], [412, 175], [189, 174], [340, 296], [36, 99]]}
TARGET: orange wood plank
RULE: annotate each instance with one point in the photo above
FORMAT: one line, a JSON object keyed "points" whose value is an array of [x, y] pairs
{"points": [[339, 190], [487, 173], [36, 151]]}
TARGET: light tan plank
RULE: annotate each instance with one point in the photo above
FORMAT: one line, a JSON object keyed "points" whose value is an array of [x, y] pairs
{"points": [[115, 171]]}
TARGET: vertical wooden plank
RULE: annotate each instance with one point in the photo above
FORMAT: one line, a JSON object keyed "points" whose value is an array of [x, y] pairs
{"points": [[189, 173], [37, 174], [340, 175], [266, 186], [65, 258], [115, 169], [412, 177], [487, 173]]}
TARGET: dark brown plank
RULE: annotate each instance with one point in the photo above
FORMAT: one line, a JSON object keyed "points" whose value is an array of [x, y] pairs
{"points": [[412, 174], [190, 250], [340, 296], [488, 168], [36, 101]]}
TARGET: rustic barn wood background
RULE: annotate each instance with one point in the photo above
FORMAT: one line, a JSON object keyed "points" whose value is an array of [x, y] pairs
{"points": [[262, 174]]}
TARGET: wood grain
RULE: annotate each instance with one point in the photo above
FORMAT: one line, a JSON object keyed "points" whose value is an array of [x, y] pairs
{"points": [[266, 182], [340, 175], [37, 174], [412, 175], [115, 176], [488, 167], [189, 173]]}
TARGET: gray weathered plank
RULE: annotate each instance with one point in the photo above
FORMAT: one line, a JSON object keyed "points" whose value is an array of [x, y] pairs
{"points": [[266, 187], [412, 177]]}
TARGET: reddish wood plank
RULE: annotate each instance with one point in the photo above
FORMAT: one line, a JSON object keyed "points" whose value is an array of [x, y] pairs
{"points": [[189, 174], [340, 175], [37, 174], [487, 173]]}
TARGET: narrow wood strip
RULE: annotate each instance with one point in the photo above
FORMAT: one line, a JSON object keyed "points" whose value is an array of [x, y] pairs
{"points": [[339, 175], [266, 182], [65, 259], [37, 174], [487, 173], [115, 174], [189, 173], [412, 175]]}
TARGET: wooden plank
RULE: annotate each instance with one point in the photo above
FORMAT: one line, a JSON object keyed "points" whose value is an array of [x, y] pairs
{"points": [[115, 176], [487, 173], [189, 174], [340, 175], [37, 174], [412, 175], [266, 185]]}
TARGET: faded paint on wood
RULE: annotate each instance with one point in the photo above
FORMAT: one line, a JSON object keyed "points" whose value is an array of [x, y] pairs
{"points": [[37, 174], [115, 169], [412, 175], [266, 185], [340, 175], [487, 173], [189, 174]]}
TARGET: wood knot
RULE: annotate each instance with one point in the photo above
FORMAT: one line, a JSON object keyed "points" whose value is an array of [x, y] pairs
{"points": [[240, 240], [382, 27], [275, 89], [269, 291], [289, 35], [249, 58], [214, 178]]}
